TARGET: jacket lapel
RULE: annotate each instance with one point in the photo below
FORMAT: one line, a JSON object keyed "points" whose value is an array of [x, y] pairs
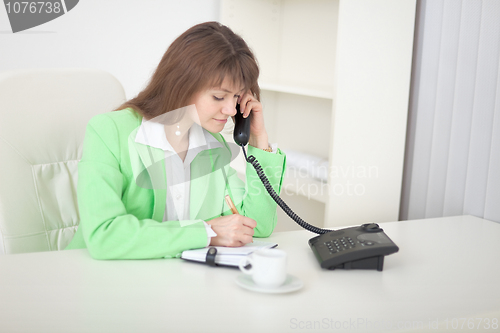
{"points": [[206, 172], [201, 171], [148, 165]]}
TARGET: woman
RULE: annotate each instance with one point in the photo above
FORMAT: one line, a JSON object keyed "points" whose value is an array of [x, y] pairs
{"points": [[154, 173]]}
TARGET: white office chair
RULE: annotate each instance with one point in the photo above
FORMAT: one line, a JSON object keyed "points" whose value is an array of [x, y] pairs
{"points": [[44, 114]]}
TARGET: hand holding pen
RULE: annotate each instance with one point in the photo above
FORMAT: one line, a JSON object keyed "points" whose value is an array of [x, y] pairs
{"points": [[232, 230]]}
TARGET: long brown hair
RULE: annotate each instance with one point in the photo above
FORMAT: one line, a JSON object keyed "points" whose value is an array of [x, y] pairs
{"points": [[198, 59]]}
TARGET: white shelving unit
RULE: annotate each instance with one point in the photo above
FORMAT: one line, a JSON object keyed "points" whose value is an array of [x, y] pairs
{"points": [[334, 81], [325, 93]]}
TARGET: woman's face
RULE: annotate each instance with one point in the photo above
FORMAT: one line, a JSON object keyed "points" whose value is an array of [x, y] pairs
{"points": [[216, 105]]}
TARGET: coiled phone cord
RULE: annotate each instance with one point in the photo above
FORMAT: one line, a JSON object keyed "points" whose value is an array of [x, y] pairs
{"points": [[265, 181]]}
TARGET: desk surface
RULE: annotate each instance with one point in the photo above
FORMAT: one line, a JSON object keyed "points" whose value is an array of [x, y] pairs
{"points": [[446, 272]]}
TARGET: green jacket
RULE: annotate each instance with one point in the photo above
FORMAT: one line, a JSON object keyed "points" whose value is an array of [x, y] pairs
{"points": [[122, 193]]}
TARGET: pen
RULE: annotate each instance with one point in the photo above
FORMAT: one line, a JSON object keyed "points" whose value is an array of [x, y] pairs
{"points": [[231, 205]]}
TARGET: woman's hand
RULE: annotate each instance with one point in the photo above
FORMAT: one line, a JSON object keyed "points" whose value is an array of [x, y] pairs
{"points": [[258, 134], [232, 230]]}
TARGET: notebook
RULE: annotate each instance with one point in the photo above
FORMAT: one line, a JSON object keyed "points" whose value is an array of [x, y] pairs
{"points": [[227, 256]]}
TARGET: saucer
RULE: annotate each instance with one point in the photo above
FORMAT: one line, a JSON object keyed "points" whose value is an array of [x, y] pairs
{"points": [[291, 284]]}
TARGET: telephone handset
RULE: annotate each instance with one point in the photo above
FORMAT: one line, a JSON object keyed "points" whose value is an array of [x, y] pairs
{"points": [[241, 132], [362, 247]]}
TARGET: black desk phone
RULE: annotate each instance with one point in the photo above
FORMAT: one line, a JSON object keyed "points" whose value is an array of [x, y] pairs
{"points": [[362, 247]]}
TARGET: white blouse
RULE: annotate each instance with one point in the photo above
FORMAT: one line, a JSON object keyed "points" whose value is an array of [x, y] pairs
{"points": [[178, 172]]}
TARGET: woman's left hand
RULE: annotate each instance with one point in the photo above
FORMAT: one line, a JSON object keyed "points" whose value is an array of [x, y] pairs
{"points": [[258, 134]]}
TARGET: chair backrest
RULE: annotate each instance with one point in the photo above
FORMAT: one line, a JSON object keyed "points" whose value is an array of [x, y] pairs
{"points": [[44, 114]]}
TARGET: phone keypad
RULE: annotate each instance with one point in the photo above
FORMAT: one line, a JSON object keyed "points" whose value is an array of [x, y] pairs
{"points": [[340, 244]]}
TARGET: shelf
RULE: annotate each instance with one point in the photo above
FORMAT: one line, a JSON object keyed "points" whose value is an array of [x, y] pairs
{"points": [[307, 187], [292, 185], [291, 89]]}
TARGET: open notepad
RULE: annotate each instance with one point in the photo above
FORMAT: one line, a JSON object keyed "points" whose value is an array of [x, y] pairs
{"points": [[227, 256]]}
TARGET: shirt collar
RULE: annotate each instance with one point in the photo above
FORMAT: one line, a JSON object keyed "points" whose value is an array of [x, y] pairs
{"points": [[152, 134]]}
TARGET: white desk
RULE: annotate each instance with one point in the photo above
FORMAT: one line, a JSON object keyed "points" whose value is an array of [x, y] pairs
{"points": [[446, 268]]}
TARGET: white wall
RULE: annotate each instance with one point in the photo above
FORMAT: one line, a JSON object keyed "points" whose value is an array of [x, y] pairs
{"points": [[124, 37]]}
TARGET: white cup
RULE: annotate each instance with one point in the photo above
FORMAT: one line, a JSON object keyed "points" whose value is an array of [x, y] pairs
{"points": [[268, 267]]}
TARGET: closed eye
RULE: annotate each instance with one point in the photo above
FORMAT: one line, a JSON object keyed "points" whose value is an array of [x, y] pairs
{"points": [[222, 98]]}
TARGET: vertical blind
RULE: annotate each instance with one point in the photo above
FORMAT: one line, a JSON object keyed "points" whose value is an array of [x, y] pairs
{"points": [[452, 162]]}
